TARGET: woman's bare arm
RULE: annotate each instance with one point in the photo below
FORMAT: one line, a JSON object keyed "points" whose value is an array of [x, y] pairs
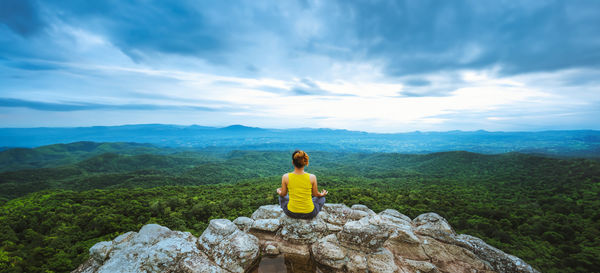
{"points": [[283, 190], [315, 189]]}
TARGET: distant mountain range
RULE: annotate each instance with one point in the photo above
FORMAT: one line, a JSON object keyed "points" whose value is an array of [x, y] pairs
{"points": [[584, 143]]}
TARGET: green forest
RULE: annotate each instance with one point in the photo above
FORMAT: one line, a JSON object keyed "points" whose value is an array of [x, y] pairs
{"points": [[59, 200]]}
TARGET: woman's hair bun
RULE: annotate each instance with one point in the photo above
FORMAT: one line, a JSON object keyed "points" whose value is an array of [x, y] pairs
{"points": [[300, 158]]}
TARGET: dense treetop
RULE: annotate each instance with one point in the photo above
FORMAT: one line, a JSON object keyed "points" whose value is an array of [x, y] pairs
{"points": [[544, 210]]}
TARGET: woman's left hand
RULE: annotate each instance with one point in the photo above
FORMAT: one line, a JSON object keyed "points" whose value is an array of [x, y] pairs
{"points": [[279, 191]]}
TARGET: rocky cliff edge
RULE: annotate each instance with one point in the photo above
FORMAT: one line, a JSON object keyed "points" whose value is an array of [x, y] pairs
{"points": [[339, 239]]}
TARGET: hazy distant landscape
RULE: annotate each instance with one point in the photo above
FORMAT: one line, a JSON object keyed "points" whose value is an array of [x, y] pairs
{"points": [[581, 143]]}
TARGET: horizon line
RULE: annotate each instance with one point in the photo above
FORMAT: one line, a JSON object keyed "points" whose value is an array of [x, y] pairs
{"points": [[294, 128]]}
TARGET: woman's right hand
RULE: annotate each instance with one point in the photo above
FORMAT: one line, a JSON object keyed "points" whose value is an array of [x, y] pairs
{"points": [[323, 193]]}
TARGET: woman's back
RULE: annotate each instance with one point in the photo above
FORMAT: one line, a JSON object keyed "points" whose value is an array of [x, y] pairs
{"points": [[297, 190], [300, 190]]}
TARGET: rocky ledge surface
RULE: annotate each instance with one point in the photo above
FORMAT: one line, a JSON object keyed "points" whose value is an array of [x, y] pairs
{"points": [[339, 239]]}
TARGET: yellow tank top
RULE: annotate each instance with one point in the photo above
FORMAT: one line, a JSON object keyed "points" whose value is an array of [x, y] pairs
{"points": [[300, 190]]}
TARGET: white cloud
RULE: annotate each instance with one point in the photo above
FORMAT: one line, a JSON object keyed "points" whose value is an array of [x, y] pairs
{"points": [[467, 96]]}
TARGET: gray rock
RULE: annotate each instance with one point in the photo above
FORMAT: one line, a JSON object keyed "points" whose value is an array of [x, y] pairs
{"points": [[499, 260], [229, 247], [328, 251], [363, 235], [395, 213], [340, 214], [407, 265], [403, 235], [164, 254], [432, 224], [238, 254], [124, 237], [323, 215], [153, 249], [398, 228], [299, 250], [333, 228], [341, 239], [451, 258], [151, 233], [199, 263], [267, 212], [302, 231], [100, 251], [121, 241], [243, 223], [217, 231], [357, 261], [270, 225], [381, 262], [362, 208], [89, 266]]}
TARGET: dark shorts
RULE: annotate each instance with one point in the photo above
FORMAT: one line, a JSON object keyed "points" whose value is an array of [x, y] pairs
{"points": [[318, 202]]}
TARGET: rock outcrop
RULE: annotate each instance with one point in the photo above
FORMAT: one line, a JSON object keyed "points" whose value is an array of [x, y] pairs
{"points": [[339, 239]]}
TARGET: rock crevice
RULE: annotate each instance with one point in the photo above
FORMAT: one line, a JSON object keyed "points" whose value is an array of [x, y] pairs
{"points": [[339, 239]]}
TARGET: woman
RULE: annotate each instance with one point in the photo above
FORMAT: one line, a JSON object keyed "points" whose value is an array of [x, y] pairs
{"points": [[302, 186]]}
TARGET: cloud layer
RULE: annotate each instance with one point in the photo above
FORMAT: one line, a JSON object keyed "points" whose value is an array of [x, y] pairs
{"points": [[365, 65]]}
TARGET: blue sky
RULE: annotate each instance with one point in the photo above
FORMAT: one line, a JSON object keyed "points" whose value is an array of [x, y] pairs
{"points": [[380, 66]]}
